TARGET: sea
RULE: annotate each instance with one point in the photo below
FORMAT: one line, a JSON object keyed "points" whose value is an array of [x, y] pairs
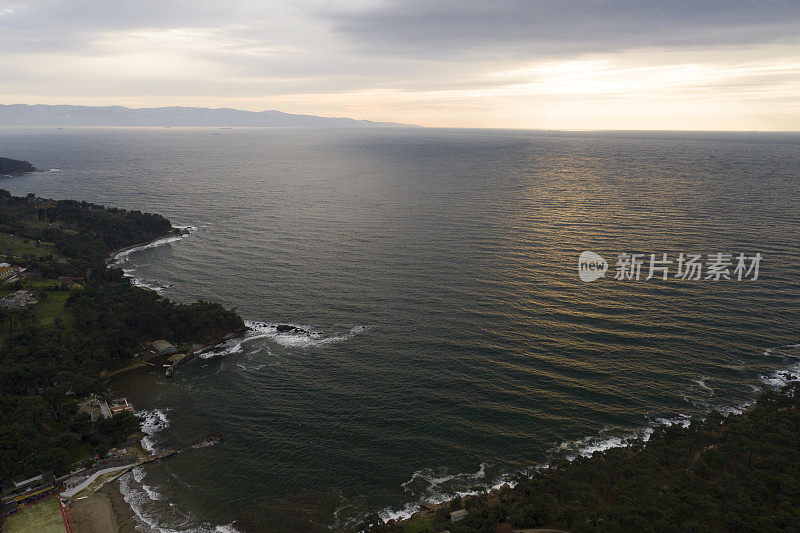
{"points": [[452, 341]]}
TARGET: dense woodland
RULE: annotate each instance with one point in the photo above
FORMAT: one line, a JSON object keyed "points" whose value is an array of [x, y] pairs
{"points": [[734, 473], [10, 167], [52, 356]]}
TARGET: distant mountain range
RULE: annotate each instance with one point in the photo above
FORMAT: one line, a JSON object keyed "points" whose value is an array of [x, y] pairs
{"points": [[71, 115]]}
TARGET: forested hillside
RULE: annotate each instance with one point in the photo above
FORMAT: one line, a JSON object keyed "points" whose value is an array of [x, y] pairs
{"points": [[10, 167], [721, 474], [52, 354]]}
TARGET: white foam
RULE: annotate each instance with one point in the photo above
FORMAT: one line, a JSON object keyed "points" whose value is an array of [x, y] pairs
{"points": [[137, 500], [226, 529], [586, 446], [124, 255], [780, 349], [152, 493], [435, 487], [735, 409], [582, 447], [205, 444], [138, 474], [701, 382], [306, 338], [226, 348], [153, 421], [140, 282], [781, 378], [145, 504], [263, 330]]}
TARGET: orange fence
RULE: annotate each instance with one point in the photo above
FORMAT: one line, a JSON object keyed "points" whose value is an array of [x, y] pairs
{"points": [[66, 514]]}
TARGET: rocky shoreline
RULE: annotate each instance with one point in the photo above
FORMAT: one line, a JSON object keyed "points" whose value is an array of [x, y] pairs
{"points": [[15, 167], [176, 232], [106, 509]]}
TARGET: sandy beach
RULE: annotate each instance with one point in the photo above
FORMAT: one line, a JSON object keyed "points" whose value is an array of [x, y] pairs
{"points": [[105, 510]]}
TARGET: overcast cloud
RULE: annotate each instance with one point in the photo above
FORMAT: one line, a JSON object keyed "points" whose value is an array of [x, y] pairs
{"points": [[536, 64]]}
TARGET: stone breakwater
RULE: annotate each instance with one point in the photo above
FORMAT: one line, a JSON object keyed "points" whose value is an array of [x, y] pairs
{"points": [[197, 349]]}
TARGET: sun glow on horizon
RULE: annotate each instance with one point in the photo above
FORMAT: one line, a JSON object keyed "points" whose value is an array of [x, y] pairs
{"points": [[260, 63]]}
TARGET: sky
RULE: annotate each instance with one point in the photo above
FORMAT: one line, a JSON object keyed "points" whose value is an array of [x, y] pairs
{"points": [[537, 64]]}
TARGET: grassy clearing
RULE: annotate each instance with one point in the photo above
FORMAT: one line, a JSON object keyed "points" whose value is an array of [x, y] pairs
{"points": [[420, 525], [15, 247], [53, 306], [41, 517]]}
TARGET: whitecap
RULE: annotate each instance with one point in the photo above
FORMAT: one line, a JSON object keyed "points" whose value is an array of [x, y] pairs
{"points": [[781, 378], [262, 330], [152, 493], [153, 421], [145, 504], [150, 285], [138, 474], [587, 446], [303, 337], [783, 351], [437, 490], [124, 255], [701, 382]]}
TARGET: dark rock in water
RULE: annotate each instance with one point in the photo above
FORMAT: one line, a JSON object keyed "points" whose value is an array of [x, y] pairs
{"points": [[287, 328], [12, 167]]}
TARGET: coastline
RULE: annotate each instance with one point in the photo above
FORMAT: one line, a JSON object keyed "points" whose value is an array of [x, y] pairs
{"points": [[177, 233], [107, 509], [104, 510], [423, 509], [476, 503], [35, 171], [124, 515]]}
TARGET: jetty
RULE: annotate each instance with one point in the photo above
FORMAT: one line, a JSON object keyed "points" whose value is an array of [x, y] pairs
{"points": [[87, 481], [182, 358], [208, 439], [197, 349]]}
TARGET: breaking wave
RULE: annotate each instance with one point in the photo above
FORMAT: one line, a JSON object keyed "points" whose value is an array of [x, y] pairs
{"points": [[781, 378], [701, 383], [787, 350], [436, 486], [140, 282], [148, 506], [301, 337], [146, 502], [123, 256], [153, 422]]}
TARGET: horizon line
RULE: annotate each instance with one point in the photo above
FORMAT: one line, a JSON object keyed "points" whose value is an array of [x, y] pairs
{"points": [[377, 122]]}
